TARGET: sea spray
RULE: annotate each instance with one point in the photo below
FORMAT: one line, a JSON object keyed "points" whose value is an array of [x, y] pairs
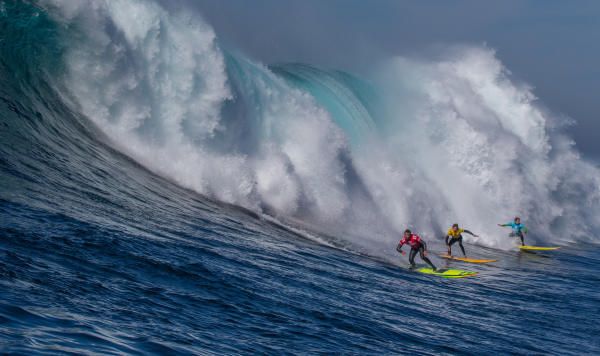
{"points": [[421, 143]]}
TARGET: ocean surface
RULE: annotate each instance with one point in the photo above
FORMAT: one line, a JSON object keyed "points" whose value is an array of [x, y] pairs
{"points": [[161, 193]]}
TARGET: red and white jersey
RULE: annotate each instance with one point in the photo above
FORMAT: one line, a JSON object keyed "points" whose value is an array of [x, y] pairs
{"points": [[414, 241]]}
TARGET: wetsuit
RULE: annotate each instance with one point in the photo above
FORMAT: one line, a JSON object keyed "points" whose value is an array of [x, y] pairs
{"points": [[456, 236], [416, 245], [517, 230]]}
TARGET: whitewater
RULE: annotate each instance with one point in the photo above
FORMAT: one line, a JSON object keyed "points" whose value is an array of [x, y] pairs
{"points": [[161, 192]]}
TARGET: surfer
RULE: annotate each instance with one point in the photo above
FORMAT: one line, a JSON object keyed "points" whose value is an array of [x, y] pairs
{"points": [[416, 244], [518, 229], [453, 235]]}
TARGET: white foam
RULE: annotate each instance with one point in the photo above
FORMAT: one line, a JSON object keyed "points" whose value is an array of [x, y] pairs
{"points": [[485, 150], [461, 142]]}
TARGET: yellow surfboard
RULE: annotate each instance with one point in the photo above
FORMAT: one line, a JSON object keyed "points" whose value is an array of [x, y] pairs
{"points": [[465, 259], [538, 248], [447, 273]]}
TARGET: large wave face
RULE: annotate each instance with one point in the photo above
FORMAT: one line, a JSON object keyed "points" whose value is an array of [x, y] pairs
{"points": [[420, 143]]}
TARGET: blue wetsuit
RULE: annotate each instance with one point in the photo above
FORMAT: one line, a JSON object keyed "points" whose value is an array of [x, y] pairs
{"points": [[517, 230]]}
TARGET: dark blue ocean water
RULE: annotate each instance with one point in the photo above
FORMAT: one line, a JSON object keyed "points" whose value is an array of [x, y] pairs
{"points": [[100, 256], [215, 280]]}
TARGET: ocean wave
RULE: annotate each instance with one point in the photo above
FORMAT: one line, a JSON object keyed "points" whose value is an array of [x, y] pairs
{"points": [[419, 142]]}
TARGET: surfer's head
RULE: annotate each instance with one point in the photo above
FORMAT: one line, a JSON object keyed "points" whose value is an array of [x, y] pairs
{"points": [[454, 227], [517, 220], [407, 233]]}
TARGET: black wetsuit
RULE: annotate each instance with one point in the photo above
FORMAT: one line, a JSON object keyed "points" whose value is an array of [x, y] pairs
{"points": [[416, 245], [413, 253], [450, 241]]}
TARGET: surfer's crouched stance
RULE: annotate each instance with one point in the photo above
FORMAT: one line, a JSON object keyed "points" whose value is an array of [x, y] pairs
{"points": [[416, 245], [518, 229], [453, 235]]}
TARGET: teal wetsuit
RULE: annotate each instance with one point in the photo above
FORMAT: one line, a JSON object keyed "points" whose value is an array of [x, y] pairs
{"points": [[517, 230]]}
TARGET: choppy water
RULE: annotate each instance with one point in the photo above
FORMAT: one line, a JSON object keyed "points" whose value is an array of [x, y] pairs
{"points": [[114, 238], [205, 279]]}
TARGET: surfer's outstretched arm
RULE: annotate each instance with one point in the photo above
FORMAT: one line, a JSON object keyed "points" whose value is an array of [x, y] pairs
{"points": [[470, 233]]}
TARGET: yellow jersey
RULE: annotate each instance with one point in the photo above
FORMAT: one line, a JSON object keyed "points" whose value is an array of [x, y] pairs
{"points": [[456, 233]]}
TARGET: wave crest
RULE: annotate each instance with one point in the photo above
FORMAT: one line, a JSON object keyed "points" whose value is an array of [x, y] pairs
{"points": [[422, 143]]}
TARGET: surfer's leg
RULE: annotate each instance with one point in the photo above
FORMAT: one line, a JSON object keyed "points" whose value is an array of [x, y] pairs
{"points": [[424, 258], [449, 246], [452, 241], [411, 257], [520, 234], [460, 238], [522, 239]]}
